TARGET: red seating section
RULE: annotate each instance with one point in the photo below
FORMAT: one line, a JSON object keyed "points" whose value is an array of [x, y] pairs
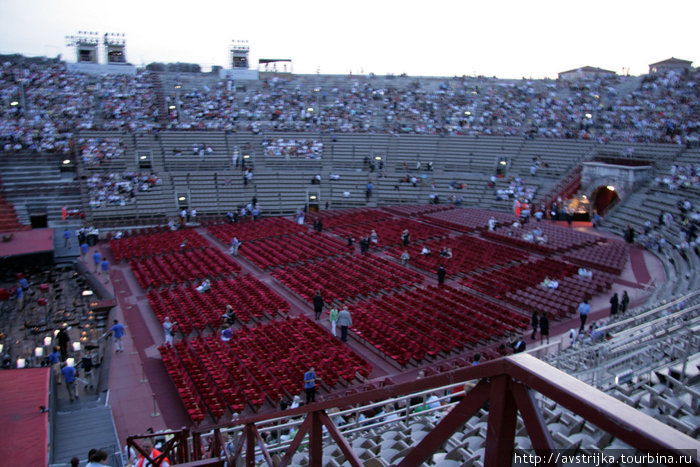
{"points": [[184, 384], [610, 256], [389, 231], [278, 251], [339, 217], [253, 230], [468, 254], [183, 266], [267, 357], [346, 277], [259, 364], [422, 323], [565, 299], [155, 242], [250, 298], [410, 210], [468, 219], [498, 282], [289, 347], [559, 239]]}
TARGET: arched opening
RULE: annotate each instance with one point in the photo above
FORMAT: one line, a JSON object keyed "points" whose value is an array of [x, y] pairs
{"points": [[603, 198]]}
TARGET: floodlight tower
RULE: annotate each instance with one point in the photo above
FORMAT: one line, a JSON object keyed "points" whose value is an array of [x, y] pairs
{"points": [[115, 48], [85, 43], [239, 55]]}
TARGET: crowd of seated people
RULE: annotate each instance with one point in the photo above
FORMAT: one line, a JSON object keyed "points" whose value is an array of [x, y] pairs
{"points": [[128, 102], [293, 148], [51, 102], [46, 105], [517, 189], [680, 176], [281, 105], [95, 151], [118, 188]]}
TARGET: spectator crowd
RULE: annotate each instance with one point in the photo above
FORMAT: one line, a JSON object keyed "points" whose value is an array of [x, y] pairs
{"points": [[44, 103]]}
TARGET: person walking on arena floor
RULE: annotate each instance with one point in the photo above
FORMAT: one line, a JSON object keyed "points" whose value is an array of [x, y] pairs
{"points": [[441, 275], [333, 318], [168, 330], [105, 269], [344, 321], [535, 324], [310, 385], [97, 259], [118, 331], [66, 238], [69, 377], [63, 340], [318, 305], [614, 304], [583, 310], [235, 245], [624, 302], [544, 327]]}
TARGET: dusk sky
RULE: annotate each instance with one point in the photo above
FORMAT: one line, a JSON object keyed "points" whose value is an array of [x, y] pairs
{"points": [[507, 39]]}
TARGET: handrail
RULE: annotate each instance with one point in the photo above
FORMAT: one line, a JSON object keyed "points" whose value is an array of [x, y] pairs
{"points": [[625, 337], [507, 384]]}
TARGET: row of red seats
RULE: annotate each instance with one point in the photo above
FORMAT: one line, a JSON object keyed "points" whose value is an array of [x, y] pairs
{"points": [[256, 380], [202, 378], [340, 217], [236, 387], [509, 319], [250, 299], [389, 231], [469, 253], [468, 219], [421, 323], [498, 282], [153, 244], [183, 266], [288, 348], [564, 300], [255, 230], [248, 386], [272, 252], [559, 239], [183, 383], [346, 277], [410, 210], [266, 362], [610, 256]]}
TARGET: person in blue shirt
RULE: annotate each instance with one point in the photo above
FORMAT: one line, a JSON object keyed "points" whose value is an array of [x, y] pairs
{"points": [[19, 293], [84, 249], [24, 283], [105, 269], [66, 238], [55, 362], [69, 376], [97, 258], [310, 385], [118, 331], [583, 310]]}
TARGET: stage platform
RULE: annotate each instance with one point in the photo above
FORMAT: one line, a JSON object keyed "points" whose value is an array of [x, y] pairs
{"points": [[27, 242], [37, 247], [24, 428]]}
